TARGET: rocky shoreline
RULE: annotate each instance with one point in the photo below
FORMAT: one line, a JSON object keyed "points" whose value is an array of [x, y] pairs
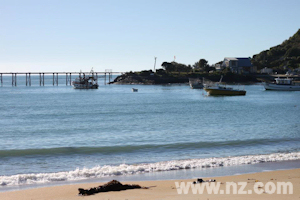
{"points": [[138, 78]]}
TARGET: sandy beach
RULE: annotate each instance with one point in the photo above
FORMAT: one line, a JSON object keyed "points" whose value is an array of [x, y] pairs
{"points": [[168, 190]]}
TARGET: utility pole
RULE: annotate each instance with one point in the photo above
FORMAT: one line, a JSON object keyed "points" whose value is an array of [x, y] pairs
{"points": [[154, 63]]}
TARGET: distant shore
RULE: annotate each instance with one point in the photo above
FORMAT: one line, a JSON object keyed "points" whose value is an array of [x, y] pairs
{"points": [[168, 190], [162, 78]]}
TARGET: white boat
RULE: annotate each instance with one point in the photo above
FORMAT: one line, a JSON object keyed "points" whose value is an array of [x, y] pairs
{"points": [[86, 82], [195, 83], [218, 89], [282, 84]]}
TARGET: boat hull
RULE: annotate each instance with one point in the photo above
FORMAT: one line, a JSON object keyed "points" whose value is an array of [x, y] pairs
{"points": [[195, 83], [271, 86], [82, 86], [211, 91], [196, 86]]}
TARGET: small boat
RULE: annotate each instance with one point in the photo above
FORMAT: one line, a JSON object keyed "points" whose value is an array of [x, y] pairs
{"points": [[134, 90], [220, 90], [282, 84], [217, 89], [86, 82], [195, 83]]}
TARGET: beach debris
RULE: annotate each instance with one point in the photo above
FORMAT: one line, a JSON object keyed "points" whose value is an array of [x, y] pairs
{"points": [[113, 185], [200, 180]]}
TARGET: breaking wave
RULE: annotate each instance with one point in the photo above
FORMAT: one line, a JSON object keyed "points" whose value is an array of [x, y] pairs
{"points": [[124, 169]]}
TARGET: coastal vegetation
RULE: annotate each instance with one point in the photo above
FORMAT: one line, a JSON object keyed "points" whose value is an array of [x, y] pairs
{"points": [[199, 66], [281, 57], [162, 76]]}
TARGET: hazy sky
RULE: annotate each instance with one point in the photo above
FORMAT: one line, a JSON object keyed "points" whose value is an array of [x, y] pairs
{"points": [[125, 35]]}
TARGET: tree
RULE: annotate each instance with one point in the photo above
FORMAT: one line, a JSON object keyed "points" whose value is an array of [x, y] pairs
{"points": [[169, 67], [196, 65], [203, 63], [176, 67]]}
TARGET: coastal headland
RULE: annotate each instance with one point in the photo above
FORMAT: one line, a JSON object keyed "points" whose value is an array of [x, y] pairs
{"points": [[162, 77]]}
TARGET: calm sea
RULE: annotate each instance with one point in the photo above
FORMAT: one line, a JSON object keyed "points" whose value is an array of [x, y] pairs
{"points": [[57, 133]]}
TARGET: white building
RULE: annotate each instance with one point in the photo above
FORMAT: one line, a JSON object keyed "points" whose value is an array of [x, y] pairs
{"points": [[266, 71]]}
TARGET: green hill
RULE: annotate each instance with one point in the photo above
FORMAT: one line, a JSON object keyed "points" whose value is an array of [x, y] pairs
{"points": [[281, 57]]}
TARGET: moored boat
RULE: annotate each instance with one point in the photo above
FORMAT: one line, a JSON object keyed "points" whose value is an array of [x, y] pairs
{"points": [[282, 84], [218, 89], [195, 83], [86, 82]]}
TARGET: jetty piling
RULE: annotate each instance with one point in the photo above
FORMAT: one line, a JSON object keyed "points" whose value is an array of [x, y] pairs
{"points": [[55, 79], [96, 77], [41, 75], [109, 72], [42, 79], [28, 79], [14, 79], [68, 78]]}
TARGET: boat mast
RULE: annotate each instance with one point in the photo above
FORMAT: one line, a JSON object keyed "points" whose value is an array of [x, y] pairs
{"points": [[221, 79]]}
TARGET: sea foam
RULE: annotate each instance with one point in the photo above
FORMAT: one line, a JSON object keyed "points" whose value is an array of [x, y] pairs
{"points": [[124, 169]]}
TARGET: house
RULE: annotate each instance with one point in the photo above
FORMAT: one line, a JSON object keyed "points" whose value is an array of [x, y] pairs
{"points": [[297, 70], [239, 65], [219, 67], [266, 71]]}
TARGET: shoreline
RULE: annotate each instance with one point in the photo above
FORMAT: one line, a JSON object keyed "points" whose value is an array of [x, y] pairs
{"points": [[192, 173], [165, 189]]}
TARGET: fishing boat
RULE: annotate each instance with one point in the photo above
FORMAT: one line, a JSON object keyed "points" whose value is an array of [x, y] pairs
{"points": [[218, 89], [282, 84], [86, 82], [195, 83], [134, 90]]}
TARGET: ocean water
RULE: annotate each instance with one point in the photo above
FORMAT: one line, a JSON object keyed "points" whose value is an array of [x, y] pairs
{"points": [[58, 134]]}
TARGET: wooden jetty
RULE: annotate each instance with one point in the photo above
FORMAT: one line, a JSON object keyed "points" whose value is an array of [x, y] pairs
{"points": [[107, 75]]}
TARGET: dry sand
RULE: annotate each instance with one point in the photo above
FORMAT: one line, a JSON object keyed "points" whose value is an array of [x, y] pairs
{"points": [[165, 189]]}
